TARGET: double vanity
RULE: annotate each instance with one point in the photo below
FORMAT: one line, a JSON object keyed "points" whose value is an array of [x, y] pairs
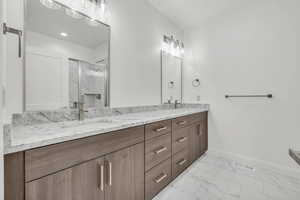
{"points": [[128, 156]]}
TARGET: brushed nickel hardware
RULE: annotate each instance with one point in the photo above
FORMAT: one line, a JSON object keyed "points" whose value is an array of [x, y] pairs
{"points": [[266, 96], [182, 123], [177, 104], [101, 177], [182, 139], [19, 33], [161, 150], [161, 129], [182, 162], [109, 173], [160, 178]]}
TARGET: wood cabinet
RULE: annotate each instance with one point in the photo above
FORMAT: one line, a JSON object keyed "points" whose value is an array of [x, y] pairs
{"points": [[198, 138], [76, 183], [125, 174], [116, 176], [130, 164]]}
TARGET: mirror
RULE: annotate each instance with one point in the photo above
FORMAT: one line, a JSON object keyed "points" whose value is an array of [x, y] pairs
{"points": [[66, 59], [171, 70]]}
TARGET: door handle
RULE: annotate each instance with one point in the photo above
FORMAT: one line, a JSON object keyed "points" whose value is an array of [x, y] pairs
{"points": [[161, 129], [160, 178], [182, 162], [180, 140], [19, 33], [160, 150], [182, 122], [101, 178], [109, 173]]}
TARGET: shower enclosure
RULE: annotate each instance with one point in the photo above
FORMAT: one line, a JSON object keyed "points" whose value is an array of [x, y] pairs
{"points": [[88, 83]]}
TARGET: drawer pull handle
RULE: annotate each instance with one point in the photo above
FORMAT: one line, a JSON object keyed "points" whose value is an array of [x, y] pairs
{"points": [[180, 140], [182, 162], [160, 178], [161, 150], [109, 173], [101, 178], [182, 123], [161, 129]]}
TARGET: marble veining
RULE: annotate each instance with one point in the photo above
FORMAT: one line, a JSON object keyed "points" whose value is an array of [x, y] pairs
{"points": [[20, 138], [214, 177]]}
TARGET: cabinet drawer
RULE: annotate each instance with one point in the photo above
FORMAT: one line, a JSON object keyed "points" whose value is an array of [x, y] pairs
{"points": [[180, 140], [181, 122], [158, 149], [196, 117], [47, 160], [180, 162], [157, 129], [157, 178]]}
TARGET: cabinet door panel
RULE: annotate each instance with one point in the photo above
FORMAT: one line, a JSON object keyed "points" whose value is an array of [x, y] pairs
{"points": [[125, 174], [77, 183], [195, 141]]}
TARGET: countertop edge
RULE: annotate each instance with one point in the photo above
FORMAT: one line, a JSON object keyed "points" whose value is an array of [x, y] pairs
{"points": [[8, 149]]}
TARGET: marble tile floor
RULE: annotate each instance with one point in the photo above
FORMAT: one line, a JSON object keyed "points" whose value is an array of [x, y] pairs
{"points": [[214, 177]]}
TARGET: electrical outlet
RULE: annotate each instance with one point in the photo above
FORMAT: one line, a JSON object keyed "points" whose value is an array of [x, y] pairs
{"points": [[198, 98]]}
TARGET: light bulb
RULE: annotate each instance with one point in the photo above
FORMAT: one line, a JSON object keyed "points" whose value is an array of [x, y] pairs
{"points": [[50, 4]]}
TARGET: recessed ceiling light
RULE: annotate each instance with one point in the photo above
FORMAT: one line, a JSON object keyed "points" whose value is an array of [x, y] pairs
{"points": [[64, 34]]}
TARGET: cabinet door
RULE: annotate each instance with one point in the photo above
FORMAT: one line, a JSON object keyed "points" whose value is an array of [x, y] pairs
{"points": [[203, 134], [195, 141], [125, 174], [85, 181]]}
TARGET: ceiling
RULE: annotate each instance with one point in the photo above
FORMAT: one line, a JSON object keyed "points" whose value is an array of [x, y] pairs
{"points": [[50, 22], [192, 13]]}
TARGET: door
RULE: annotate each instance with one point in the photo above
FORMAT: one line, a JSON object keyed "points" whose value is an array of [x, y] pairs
{"points": [[125, 170], [203, 133], [199, 138], [195, 141], [82, 182]]}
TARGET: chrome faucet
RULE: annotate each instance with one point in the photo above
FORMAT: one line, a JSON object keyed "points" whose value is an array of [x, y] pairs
{"points": [[81, 108], [177, 104]]}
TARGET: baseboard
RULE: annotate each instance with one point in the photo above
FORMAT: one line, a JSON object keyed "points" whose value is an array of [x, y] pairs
{"points": [[256, 163]]}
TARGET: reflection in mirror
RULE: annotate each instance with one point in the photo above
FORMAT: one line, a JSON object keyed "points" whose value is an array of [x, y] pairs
{"points": [[67, 58], [171, 78]]}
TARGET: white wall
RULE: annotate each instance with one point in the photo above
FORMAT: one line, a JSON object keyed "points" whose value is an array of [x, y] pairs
{"points": [[136, 37], [251, 51]]}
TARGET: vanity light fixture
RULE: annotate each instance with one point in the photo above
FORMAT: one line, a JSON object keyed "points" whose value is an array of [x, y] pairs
{"points": [[99, 10], [173, 46], [50, 4], [64, 34]]}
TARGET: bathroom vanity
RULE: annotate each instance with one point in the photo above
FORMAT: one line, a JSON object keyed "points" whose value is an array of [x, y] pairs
{"points": [[132, 163]]}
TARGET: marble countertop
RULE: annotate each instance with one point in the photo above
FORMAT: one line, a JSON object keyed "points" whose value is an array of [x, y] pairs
{"points": [[295, 155], [22, 138]]}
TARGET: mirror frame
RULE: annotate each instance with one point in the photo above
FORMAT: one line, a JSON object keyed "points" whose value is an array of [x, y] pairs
{"points": [[161, 76], [107, 74]]}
